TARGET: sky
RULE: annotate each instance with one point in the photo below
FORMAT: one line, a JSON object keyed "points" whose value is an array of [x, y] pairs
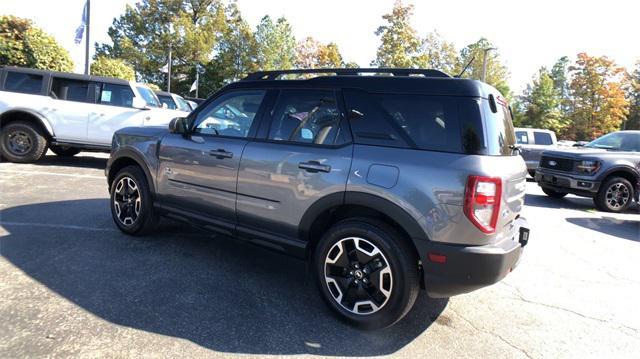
{"points": [[528, 34]]}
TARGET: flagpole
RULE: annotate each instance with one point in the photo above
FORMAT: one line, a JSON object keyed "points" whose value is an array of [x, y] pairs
{"points": [[87, 41], [197, 81]]}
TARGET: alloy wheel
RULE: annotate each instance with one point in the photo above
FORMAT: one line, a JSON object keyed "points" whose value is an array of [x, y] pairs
{"points": [[358, 275], [127, 201], [617, 195]]}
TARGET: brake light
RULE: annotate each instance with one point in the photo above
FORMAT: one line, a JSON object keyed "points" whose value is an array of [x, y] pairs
{"points": [[482, 202]]}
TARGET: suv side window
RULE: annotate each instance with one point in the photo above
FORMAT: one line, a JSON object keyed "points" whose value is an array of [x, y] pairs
{"points": [[116, 95], [306, 116], [231, 114], [71, 90], [542, 138], [23, 83], [522, 138]]}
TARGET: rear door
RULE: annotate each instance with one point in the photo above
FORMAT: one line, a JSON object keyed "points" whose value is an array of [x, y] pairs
{"points": [[73, 103], [197, 175], [305, 155]]}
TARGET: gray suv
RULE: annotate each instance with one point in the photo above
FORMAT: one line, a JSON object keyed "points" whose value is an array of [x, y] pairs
{"points": [[387, 183]]}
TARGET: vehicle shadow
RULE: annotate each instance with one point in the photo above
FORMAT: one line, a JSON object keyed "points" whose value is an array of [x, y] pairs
{"points": [[570, 202], [621, 228], [82, 160], [219, 293]]}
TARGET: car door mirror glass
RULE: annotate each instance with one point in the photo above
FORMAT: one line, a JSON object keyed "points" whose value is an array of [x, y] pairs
{"points": [[179, 125]]}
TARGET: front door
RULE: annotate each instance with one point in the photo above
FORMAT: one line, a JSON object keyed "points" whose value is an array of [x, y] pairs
{"points": [[113, 111], [305, 157], [197, 174]]}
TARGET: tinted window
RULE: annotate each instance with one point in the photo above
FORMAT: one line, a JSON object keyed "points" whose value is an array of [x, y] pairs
{"points": [[71, 90], [149, 97], [24, 83], [429, 121], [167, 100], [307, 116], [499, 129], [116, 95], [231, 114], [522, 137], [542, 138]]}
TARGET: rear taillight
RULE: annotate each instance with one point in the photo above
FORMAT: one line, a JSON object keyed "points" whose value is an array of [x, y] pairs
{"points": [[482, 202]]}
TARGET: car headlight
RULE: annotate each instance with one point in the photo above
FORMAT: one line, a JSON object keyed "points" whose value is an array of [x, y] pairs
{"points": [[587, 166]]}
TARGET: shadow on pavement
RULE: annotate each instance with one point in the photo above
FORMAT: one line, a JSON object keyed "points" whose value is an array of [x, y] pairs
{"points": [[621, 228], [570, 202], [219, 293], [82, 160]]}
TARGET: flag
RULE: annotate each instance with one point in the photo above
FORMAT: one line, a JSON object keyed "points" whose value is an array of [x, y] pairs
{"points": [[165, 68], [194, 86], [83, 24]]}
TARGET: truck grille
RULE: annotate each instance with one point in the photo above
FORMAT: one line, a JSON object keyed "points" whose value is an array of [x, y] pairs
{"points": [[557, 163]]}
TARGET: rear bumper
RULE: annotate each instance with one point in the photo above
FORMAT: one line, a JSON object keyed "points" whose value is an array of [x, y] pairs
{"points": [[468, 268], [578, 185]]}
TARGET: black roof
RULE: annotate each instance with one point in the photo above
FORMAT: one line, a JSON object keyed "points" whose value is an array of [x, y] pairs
{"points": [[67, 75], [419, 81], [162, 93]]}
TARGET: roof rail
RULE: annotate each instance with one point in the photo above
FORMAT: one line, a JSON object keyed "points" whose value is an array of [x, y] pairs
{"points": [[274, 75]]}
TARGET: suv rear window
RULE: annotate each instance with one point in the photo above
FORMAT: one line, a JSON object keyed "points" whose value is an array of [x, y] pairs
{"points": [[403, 120], [24, 83], [500, 134], [542, 138]]}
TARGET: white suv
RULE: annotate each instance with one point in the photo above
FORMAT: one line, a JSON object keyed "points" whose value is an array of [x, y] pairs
{"points": [[69, 112]]}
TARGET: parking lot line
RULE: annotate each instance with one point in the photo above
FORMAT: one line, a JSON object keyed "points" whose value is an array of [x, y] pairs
{"points": [[51, 174]]}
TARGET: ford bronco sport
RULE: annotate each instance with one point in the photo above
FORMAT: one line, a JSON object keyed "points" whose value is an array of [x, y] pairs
{"points": [[387, 183]]}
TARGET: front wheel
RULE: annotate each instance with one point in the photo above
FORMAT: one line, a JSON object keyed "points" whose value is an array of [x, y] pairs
{"points": [[131, 203], [615, 195], [366, 273], [552, 193]]}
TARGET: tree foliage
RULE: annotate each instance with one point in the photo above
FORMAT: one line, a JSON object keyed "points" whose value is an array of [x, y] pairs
{"points": [[633, 96], [105, 66], [542, 104], [598, 101], [23, 44], [400, 45], [276, 44], [311, 54], [497, 73]]}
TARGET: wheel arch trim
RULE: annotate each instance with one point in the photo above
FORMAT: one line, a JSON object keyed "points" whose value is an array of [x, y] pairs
{"points": [[44, 122], [130, 154]]}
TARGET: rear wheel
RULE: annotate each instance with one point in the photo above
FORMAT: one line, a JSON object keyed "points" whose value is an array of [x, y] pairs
{"points": [[366, 272], [553, 193], [131, 203], [64, 151], [614, 195], [22, 142]]}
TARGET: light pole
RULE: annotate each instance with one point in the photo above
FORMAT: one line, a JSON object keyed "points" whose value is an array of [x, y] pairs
{"points": [[484, 63], [169, 63]]}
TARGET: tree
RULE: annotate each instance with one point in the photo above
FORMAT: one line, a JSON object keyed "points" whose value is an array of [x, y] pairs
{"points": [[276, 44], [143, 34], [400, 44], [541, 104], [497, 73], [23, 44], [105, 66], [311, 54], [439, 53], [633, 96], [598, 100]]}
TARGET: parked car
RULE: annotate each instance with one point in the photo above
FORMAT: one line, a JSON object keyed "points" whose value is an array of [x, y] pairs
{"points": [[386, 184], [606, 169], [69, 112], [192, 104], [173, 101], [532, 142]]}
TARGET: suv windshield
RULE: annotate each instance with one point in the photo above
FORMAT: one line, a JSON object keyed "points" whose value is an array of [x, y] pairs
{"points": [[182, 104], [617, 141], [148, 96]]}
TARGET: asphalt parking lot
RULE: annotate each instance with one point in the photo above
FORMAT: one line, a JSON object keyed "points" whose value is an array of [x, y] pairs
{"points": [[72, 285]]}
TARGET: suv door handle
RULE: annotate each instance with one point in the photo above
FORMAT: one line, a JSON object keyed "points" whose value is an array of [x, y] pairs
{"points": [[220, 153], [314, 166]]}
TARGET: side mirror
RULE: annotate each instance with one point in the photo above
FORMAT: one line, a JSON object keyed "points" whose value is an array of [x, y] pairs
{"points": [[140, 104], [179, 125]]}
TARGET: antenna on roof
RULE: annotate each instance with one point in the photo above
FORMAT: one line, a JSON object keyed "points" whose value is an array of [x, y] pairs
{"points": [[466, 67]]}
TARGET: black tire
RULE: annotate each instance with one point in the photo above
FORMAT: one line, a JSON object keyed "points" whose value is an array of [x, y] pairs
{"points": [[553, 193], [64, 151], [401, 262], [22, 142], [124, 214], [615, 195]]}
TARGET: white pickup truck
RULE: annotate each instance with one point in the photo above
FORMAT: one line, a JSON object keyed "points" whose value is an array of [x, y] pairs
{"points": [[67, 113]]}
